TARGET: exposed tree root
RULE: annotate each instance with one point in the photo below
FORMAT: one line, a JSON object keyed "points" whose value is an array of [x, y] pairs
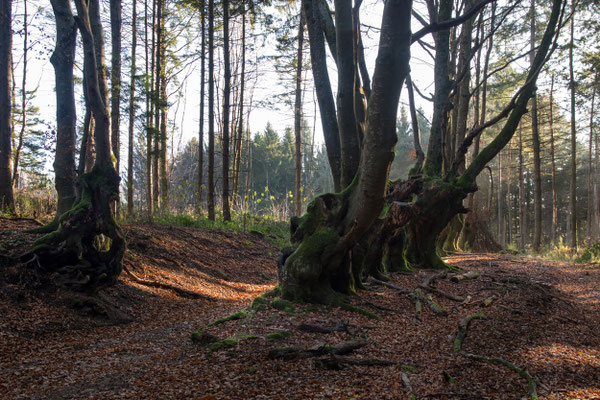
{"points": [[338, 362], [465, 276], [531, 382], [391, 286], [463, 327], [340, 349], [181, 292], [341, 327], [428, 281]]}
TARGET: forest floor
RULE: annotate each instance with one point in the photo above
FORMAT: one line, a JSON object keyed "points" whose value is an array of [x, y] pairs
{"points": [[540, 316]]}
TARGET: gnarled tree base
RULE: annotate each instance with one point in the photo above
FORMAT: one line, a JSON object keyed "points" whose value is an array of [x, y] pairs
{"points": [[327, 260], [86, 251]]}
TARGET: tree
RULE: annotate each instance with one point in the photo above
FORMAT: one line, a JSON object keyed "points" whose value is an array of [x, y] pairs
{"points": [[210, 201], [62, 59], [226, 111], [87, 248], [131, 110], [6, 190], [340, 231], [115, 78]]}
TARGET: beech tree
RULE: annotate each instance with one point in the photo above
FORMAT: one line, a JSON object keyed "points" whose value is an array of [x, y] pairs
{"points": [[371, 222], [88, 246]]}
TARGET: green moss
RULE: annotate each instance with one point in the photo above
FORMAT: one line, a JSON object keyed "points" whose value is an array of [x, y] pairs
{"points": [[203, 338], [278, 336], [236, 315], [259, 303], [251, 370], [283, 305], [223, 344]]}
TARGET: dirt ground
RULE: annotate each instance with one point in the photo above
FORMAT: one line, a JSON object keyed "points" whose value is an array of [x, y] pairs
{"points": [[542, 317]]}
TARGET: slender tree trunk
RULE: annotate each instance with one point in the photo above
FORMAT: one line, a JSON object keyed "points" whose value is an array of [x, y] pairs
{"points": [[438, 133], [201, 117], [318, 59], [17, 151], [240, 126], [522, 222], [535, 139], [6, 191], [131, 111], [554, 233], [591, 172], [573, 177], [509, 237], [298, 116], [148, 81], [115, 81], [62, 59], [162, 108], [156, 17], [349, 139], [500, 201], [210, 202], [226, 111]]}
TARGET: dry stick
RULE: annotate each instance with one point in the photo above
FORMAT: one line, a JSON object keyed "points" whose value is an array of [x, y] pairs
{"points": [[463, 327], [166, 286], [531, 382], [406, 382]]}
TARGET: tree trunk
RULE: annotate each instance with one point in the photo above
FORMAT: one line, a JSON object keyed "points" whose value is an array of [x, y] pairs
{"points": [[6, 192], [535, 140], [333, 223], [226, 111], [62, 59], [591, 172], [438, 132], [318, 59], [148, 81], [210, 201], [298, 117], [553, 166], [522, 216], [17, 151], [131, 111], [115, 80], [573, 175], [201, 117], [88, 247]]}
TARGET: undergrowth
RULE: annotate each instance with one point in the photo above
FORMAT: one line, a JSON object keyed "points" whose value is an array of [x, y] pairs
{"points": [[267, 226]]}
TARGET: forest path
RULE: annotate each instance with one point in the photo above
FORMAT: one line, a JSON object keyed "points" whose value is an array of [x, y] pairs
{"points": [[544, 316]]}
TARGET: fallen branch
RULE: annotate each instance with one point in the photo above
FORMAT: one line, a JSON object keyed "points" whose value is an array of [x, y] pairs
{"points": [[463, 327], [432, 278], [166, 286], [531, 382]]}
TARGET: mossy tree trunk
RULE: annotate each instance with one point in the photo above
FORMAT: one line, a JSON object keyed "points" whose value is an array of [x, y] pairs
{"points": [[87, 248], [394, 225], [320, 265]]}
